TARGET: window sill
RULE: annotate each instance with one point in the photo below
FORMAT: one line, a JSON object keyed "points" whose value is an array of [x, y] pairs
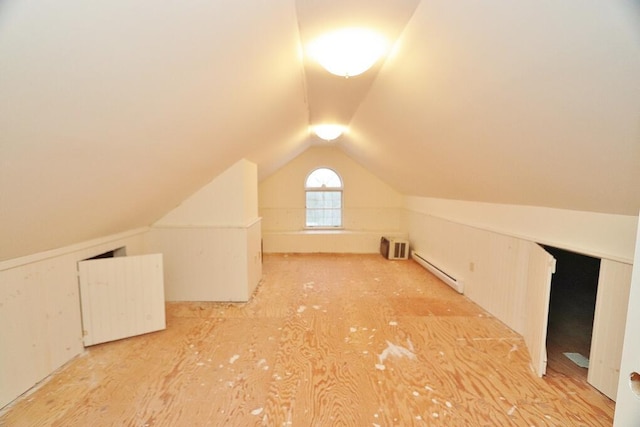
{"points": [[323, 228]]}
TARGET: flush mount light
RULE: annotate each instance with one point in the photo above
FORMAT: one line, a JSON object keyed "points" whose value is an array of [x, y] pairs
{"points": [[348, 52], [328, 132]]}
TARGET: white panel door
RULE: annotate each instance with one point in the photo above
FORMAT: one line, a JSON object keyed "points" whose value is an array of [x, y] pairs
{"points": [[628, 396], [538, 290], [121, 297], [608, 326]]}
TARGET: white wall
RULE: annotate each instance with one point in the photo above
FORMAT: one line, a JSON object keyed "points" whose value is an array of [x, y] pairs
{"points": [[371, 208], [595, 234], [211, 242], [231, 199], [40, 311]]}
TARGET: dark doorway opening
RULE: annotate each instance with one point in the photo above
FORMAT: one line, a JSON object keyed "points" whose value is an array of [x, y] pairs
{"points": [[571, 310], [110, 254]]}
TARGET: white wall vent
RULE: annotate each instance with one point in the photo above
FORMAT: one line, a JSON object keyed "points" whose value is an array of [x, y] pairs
{"points": [[393, 248]]}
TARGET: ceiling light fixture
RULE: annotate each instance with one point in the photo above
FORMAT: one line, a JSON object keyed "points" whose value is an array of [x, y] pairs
{"points": [[348, 52], [328, 132]]}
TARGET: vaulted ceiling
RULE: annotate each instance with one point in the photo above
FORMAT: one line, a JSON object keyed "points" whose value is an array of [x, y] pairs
{"points": [[113, 112]]}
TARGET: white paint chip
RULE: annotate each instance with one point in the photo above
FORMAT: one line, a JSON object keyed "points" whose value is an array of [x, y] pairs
{"points": [[415, 393], [352, 329], [395, 350], [257, 411], [234, 358], [393, 323], [511, 411], [301, 309], [380, 367]]}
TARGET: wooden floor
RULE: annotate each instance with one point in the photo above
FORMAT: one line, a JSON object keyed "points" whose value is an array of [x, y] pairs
{"points": [[327, 340]]}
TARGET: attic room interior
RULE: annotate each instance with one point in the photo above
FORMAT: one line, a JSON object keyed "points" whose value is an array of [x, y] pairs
{"points": [[169, 257]]}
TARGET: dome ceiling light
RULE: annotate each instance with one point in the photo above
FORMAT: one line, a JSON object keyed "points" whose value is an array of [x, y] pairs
{"points": [[328, 132], [348, 52]]}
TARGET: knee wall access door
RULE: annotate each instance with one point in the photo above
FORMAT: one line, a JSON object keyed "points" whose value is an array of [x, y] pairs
{"points": [[121, 297]]}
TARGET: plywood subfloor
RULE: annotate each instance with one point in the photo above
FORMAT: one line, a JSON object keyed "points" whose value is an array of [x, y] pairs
{"points": [[327, 340]]}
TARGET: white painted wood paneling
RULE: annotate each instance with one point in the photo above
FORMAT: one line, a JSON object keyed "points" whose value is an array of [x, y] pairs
{"points": [[496, 282], [541, 267], [254, 256], [208, 263], [40, 318], [608, 326], [492, 265], [354, 219], [121, 297], [41, 327], [326, 241], [596, 234]]}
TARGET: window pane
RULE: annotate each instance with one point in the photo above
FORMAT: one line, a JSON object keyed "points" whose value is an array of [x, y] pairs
{"points": [[323, 177], [324, 208], [324, 199]]}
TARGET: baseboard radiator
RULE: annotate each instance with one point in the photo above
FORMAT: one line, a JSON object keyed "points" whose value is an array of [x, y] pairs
{"points": [[439, 273]]}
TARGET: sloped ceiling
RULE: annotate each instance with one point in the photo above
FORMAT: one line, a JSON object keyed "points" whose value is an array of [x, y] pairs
{"points": [[112, 113], [531, 103]]}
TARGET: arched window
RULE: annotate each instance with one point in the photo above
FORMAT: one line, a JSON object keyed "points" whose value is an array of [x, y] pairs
{"points": [[323, 189]]}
